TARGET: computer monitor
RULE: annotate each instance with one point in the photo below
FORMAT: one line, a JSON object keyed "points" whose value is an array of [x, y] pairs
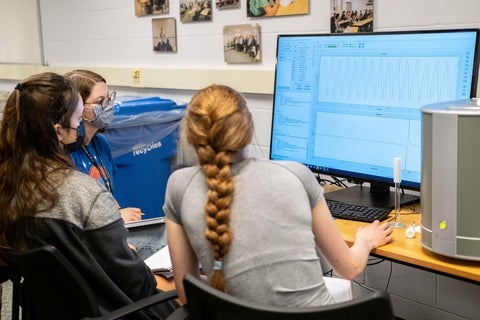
{"points": [[346, 105]]}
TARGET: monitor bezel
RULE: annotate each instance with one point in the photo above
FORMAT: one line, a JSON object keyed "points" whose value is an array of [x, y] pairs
{"points": [[357, 177]]}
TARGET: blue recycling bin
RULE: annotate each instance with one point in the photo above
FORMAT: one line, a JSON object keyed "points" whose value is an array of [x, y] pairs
{"points": [[143, 139]]}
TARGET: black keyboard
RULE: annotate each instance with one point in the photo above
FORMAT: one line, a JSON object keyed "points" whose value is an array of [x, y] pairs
{"points": [[348, 211]]}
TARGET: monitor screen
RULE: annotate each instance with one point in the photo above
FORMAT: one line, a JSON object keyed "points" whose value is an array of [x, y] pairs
{"points": [[346, 105]]}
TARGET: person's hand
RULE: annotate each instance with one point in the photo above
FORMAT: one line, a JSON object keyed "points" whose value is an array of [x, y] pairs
{"points": [[132, 247], [375, 234], [131, 214]]}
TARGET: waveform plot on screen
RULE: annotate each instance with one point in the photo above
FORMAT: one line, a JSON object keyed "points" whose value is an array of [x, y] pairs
{"points": [[361, 138], [387, 81]]}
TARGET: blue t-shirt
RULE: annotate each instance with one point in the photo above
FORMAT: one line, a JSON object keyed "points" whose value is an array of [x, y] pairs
{"points": [[99, 149]]}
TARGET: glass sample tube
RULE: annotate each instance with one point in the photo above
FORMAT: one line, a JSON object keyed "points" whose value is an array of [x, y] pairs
{"points": [[397, 178], [396, 224]]}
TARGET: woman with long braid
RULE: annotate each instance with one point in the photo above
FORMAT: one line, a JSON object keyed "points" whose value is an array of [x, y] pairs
{"points": [[256, 227]]}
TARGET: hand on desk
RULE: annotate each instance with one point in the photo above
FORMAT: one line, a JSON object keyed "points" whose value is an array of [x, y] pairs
{"points": [[131, 214], [375, 234]]}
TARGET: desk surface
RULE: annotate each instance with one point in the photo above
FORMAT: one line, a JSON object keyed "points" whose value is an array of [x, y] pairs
{"points": [[412, 252], [164, 283]]}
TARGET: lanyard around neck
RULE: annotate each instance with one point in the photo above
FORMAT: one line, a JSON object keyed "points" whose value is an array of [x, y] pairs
{"points": [[101, 168]]}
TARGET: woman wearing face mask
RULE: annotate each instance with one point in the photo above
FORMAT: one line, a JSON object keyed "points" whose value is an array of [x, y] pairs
{"points": [[94, 156], [43, 200]]}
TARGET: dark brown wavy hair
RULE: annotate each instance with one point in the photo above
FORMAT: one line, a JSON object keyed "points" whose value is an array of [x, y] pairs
{"points": [[219, 126], [32, 163]]}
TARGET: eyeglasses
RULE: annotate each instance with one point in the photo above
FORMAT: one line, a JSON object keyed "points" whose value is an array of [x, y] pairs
{"points": [[107, 102]]}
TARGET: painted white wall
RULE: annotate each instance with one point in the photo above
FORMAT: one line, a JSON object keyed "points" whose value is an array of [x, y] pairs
{"points": [[20, 40], [107, 33]]}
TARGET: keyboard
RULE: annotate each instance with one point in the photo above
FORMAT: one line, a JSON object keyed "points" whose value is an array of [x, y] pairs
{"points": [[348, 211]]}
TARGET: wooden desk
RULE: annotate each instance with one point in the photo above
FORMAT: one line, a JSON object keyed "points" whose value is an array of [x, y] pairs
{"points": [[165, 284], [296, 7], [410, 251]]}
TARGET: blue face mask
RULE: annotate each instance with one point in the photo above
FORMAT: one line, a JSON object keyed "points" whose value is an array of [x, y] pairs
{"points": [[73, 146], [81, 132]]}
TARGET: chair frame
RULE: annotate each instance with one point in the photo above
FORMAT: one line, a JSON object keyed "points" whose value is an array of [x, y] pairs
{"points": [[206, 303], [45, 267]]}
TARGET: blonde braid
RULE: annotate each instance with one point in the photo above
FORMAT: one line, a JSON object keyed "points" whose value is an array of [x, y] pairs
{"points": [[218, 125], [219, 198]]}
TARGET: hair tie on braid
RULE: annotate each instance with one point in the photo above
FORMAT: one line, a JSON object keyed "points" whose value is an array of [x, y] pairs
{"points": [[19, 87], [217, 265]]}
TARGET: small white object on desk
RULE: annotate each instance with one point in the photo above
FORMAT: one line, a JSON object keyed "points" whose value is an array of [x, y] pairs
{"points": [[160, 263], [410, 232]]}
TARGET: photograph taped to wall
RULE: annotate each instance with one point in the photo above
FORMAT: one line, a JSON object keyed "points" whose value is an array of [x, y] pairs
{"points": [[351, 16], [227, 4], [164, 34], [195, 10], [273, 8], [241, 43], [151, 7]]}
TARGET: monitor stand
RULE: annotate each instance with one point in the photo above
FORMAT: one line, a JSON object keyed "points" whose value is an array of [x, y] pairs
{"points": [[378, 196]]}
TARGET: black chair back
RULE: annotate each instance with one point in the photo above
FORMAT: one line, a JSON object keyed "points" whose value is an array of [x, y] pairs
{"points": [[49, 287], [206, 303]]}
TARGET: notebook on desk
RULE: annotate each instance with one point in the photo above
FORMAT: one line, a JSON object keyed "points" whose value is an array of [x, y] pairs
{"points": [[160, 263], [144, 222]]}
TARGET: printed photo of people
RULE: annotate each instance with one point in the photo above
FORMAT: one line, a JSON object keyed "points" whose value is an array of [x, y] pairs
{"points": [[273, 8], [195, 10], [227, 4], [151, 7], [351, 16], [164, 34], [241, 43]]}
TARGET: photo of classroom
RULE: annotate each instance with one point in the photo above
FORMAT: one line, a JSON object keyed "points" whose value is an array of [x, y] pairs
{"points": [[195, 11], [242, 43], [274, 8], [151, 7], [227, 4], [351, 16]]}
